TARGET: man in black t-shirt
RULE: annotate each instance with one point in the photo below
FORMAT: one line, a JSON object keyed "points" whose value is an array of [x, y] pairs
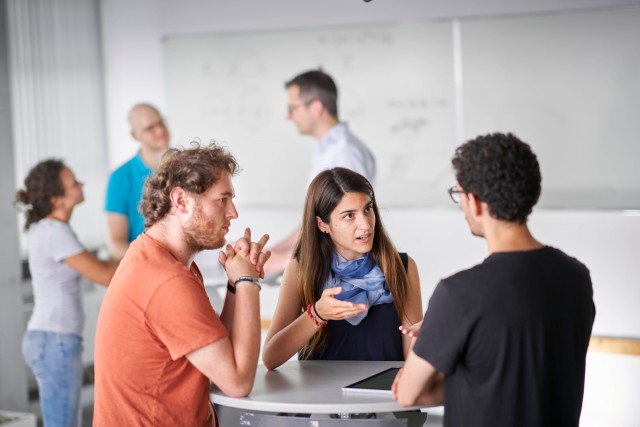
{"points": [[503, 343]]}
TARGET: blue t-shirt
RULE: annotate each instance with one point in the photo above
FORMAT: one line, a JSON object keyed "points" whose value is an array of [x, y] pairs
{"points": [[124, 193]]}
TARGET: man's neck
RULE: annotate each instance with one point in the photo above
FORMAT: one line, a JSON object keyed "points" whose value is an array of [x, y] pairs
{"points": [[323, 127], [151, 158], [502, 236], [171, 237]]}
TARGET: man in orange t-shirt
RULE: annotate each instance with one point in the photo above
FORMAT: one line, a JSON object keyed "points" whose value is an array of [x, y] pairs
{"points": [[159, 342]]}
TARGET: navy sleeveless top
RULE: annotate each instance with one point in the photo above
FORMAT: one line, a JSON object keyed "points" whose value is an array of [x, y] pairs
{"points": [[376, 337]]}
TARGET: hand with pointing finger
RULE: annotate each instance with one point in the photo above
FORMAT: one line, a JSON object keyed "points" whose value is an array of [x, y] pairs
{"points": [[412, 330]]}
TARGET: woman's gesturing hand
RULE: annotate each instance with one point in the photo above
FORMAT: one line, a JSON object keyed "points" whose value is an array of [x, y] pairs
{"points": [[330, 308]]}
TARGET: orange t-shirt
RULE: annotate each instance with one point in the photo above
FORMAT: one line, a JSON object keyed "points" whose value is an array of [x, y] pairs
{"points": [[155, 312]]}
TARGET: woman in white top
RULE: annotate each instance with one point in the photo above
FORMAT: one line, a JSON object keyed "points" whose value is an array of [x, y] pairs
{"points": [[52, 344]]}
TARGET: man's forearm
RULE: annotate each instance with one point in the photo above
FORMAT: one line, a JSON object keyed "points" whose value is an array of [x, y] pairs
{"points": [[433, 395], [226, 315], [418, 383], [117, 249], [245, 329], [117, 234]]}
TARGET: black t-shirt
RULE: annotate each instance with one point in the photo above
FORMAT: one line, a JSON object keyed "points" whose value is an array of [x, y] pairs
{"points": [[511, 337]]}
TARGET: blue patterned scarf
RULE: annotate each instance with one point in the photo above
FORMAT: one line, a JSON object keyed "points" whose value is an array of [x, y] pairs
{"points": [[362, 282]]}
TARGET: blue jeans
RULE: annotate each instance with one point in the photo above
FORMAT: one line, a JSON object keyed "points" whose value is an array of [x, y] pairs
{"points": [[56, 362]]}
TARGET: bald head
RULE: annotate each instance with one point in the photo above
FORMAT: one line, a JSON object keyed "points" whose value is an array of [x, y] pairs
{"points": [[140, 109], [148, 128]]}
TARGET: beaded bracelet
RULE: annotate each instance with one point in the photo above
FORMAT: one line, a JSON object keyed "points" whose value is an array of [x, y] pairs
{"points": [[313, 318], [247, 279]]}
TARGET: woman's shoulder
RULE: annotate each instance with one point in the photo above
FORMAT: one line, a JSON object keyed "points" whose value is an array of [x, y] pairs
{"points": [[291, 270], [48, 225], [290, 284]]}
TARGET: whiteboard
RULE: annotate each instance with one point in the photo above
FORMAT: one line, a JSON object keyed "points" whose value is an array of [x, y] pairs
{"points": [[568, 84], [395, 91]]}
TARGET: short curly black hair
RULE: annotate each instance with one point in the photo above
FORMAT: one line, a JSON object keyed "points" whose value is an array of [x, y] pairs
{"points": [[502, 171]]}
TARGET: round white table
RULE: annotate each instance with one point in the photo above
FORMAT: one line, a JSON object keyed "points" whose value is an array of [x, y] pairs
{"points": [[313, 386]]}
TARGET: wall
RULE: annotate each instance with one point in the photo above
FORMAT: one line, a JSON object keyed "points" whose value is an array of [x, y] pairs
{"points": [[57, 99], [13, 371]]}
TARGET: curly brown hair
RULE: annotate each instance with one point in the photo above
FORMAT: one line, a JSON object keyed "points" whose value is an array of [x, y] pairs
{"points": [[41, 184], [194, 169]]}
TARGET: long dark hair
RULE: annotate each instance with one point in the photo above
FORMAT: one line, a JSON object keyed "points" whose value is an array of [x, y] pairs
{"points": [[314, 249], [41, 184]]}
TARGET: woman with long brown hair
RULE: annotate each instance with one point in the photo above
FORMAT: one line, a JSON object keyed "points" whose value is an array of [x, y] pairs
{"points": [[347, 290]]}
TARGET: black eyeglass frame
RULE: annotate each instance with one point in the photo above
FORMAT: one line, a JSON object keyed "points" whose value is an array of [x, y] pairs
{"points": [[454, 193], [292, 108]]}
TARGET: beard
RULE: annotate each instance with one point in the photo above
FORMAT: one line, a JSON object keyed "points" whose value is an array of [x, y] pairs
{"points": [[203, 234]]}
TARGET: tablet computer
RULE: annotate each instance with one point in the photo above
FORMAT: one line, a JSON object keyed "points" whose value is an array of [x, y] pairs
{"points": [[379, 383]]}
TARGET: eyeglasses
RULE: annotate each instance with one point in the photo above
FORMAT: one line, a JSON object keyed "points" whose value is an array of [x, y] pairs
{"points": [[292, 108], [454, 193], [153, 126]]}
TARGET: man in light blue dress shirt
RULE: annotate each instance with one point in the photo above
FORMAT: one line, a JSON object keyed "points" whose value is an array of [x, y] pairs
{"points": [[313, 107]]}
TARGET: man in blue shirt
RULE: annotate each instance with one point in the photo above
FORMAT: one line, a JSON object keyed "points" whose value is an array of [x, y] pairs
{"points": [[124, 191]]}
